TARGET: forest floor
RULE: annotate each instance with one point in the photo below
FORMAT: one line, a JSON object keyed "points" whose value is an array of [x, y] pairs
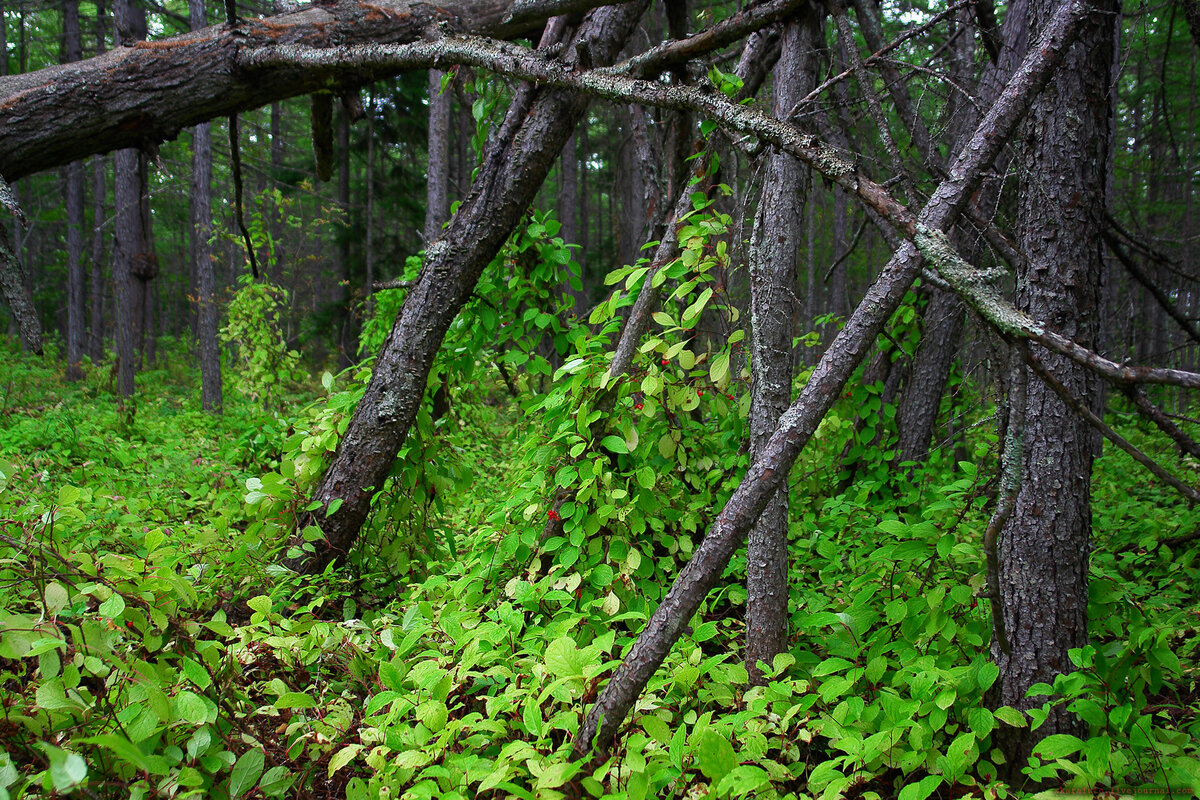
{"points": [[151, 646]]}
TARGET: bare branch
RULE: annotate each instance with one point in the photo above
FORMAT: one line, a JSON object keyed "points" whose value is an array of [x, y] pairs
{"points": [[1120, 441]]}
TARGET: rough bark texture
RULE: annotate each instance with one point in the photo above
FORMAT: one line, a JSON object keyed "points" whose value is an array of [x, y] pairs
{"points": [[773, 255], [132, 263], [75, 277], [437, 186], [99, 192], [1043, 550], [16, 294], [149, 91], [798, 424], [202, 268], [515, 164]]}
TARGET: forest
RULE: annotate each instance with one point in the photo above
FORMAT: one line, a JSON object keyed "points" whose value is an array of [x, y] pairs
{"points": [[548, 399]]}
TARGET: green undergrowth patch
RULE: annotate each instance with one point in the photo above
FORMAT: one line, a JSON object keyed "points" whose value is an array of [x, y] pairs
{"points": [[150, 646]]}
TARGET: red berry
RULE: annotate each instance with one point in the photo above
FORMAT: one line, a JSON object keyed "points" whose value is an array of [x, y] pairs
{"points": [[637, 406], [699, 393], [553, 515]]}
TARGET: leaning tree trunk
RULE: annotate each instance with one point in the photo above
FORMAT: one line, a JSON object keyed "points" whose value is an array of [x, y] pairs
{"points": [[515, 164], [1043, 549], [75, 277], [773, 252], [202, 267]]}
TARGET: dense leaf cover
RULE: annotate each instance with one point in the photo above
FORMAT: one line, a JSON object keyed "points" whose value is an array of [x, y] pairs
{"points": [[151, 646]]}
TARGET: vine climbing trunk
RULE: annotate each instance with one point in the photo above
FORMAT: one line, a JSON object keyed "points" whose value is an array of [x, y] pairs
{"points": [[515, 164]]}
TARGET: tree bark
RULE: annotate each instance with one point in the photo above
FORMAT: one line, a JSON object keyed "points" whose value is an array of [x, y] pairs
{"points": [[516, 162], [437, 185], [774, 247], [144, 93], [1043, 549], [798, 424], [205, 290], [16, 293], [99, 192], [75, 277]]}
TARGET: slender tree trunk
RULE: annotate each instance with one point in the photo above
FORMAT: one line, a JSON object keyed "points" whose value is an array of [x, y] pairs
{"points": [[1043, 548], [347, 334], [15, 290], [369, 214], [99, 192], [774, 248], [516, 162], [75, 277], [437, 185], [130, 257], [568, 215], [205, 293]]}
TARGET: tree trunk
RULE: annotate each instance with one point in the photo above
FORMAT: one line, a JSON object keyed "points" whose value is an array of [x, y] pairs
{"points": [[16, 293], [515, 164], [346, 335], [205, 290], [437, 185], [75, 276], [774, 247], [99, 192], [1043, 548]]}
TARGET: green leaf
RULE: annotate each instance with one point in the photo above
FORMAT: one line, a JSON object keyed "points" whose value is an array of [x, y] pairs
{"points": [[246, 772], [128, 752], [988, 672], [56, 597], [112, 607], [564, 659], [664, 319], [343, 757], [614, 444], [1057, 745], [294, 700], [67, 769], [921, 790], [715, 756], [719, 369], [333, 506], [195, 673], [1010, 716], [557, 774], [276, 781], [260, 603], [189, 707]]}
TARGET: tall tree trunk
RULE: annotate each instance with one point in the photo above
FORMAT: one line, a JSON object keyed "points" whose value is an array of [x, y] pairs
{"points": [[568, 215], [75, 276], [99, 192], [341, 290], [516, 162], [130, 256], [1043, 548], [773, 255], [205, 290], [437, 185]]}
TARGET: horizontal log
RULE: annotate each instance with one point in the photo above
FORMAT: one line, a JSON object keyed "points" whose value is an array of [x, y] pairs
{"points": [[140, 95]]}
